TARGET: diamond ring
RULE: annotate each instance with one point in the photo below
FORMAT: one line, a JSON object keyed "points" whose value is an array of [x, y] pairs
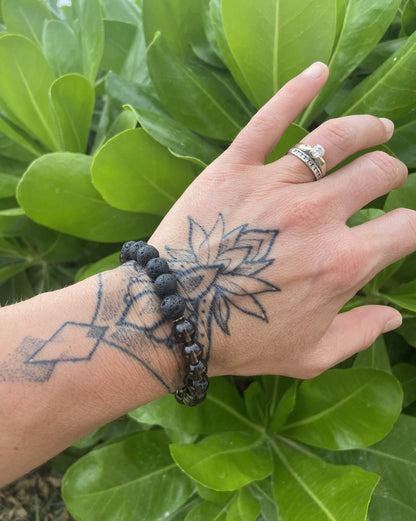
{"points": [[312, 156]]}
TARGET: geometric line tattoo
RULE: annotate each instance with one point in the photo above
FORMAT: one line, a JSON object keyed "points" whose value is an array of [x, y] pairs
{"points": [[220, 275]]}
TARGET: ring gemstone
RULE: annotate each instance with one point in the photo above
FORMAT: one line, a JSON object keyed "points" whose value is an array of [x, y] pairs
{"points": [[317, 151]]}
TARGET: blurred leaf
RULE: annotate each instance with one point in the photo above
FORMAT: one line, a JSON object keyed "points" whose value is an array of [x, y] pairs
{"points": [[409, 17], [16, 289], [244, 507], [107, 263], [380, 53], [306, 487], [403, 197], [270, 42], [406, 374], [404, 138], [213, 496], [394, 460], [207, 511], [389, 91], [149, 178], [72, 98], [26, 17], [204, 98], [61, 48], [57, 191], [90, 35], [123, 10], [12, 222], [8, 184], [291, 136], [408, 330], [345, 408], [119, 38], [108, 484], [222, 410], [404, 296], [14, 144], [25, 78], [225, 460], [374, 357], [364, 24], [255, 401]]}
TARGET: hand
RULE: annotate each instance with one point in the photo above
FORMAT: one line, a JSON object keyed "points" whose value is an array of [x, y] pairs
{"points": [[264, 255]]}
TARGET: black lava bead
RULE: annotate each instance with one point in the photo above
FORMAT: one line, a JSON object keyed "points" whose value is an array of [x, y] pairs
{"points": [[156, 267], [172, 307], [192, 352], [184, 331], [126, 252], [145, 253], [166, 284]]}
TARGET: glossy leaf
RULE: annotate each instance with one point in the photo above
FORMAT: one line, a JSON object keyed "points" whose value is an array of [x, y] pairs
{"points": [[61, 48], [25, 78], [204, 98], [225, 460], [207, 511], [270, 43], [345, 408], [389, 91], [57, 191], [364, 24], [26, 17], [169, 132], [404, 138], [90, 35], [374, 357], [306, 487], [263, 492], [108, 483], [72, 98], [406, 374], [405, 196], [409, 17], [404, 296], [222, 410], [149, 178], [394, 459]]}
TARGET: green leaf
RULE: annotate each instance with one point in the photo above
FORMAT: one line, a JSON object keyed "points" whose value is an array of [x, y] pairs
{"points": [[207, 511], [16, 145], [113, 481], [72, 99], [409, 17], [61, 48], [204, 98], [345, 408], [394, 459], [90, 35], [255, 400], [123, 10], [8, 184], [26, 17], [107, 263], [286, 46], [57, 191], [292, 135], [169, 132], [119, 38], [403, 197], [223, 409], [408, 330], [389, 91], [149, 178], [263, 492], [375, 357], [225, 460], [287, 391], [25, 78], [406, 374], [244, 507], [306, 487], [13, 222], [364, 24], [404, 138], [404, 296]]}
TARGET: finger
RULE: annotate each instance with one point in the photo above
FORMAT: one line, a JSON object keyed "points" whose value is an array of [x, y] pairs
{"points": [[340, 138], [354, 331], [387, 239], [360, 182], [260, 135]]}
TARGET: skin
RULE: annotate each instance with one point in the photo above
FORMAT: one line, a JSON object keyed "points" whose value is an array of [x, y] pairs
{"points": [[264, 260]]}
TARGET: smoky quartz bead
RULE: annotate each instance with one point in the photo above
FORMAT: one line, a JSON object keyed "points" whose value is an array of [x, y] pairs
{"points": [[192, 352], [183, 331]]}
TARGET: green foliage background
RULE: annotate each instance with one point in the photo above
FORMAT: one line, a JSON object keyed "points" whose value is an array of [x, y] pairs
{"points": [[108, 110]]}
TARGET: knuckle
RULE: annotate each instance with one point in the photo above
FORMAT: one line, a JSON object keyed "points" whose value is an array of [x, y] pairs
{"points": [[339, 134], [386, 163]]}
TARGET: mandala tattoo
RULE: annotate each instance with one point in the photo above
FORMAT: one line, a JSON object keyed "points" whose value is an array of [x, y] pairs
{"points": [[220, 276]]}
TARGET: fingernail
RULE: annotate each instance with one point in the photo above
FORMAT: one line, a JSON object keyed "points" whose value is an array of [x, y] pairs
{"points": [[393, 323], [389, 125], [315, 70]]}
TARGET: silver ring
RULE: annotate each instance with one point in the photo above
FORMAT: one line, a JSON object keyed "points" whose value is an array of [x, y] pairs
{"points": [[312, 157]]}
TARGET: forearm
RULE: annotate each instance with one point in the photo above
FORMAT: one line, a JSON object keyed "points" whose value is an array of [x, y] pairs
{"points": [[75, 359]]}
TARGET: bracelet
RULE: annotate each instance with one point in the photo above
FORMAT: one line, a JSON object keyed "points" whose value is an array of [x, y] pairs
{"points": [[172, 307]]}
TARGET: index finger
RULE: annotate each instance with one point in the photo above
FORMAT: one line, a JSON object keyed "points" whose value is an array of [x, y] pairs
{"points": [[258, 138]]}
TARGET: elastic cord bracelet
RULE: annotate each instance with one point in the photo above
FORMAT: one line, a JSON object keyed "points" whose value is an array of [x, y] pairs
{"points": [[172, 307]]}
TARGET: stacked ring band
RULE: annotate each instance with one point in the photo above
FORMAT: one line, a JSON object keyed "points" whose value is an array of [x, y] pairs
{"points": [[312, 156]]}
